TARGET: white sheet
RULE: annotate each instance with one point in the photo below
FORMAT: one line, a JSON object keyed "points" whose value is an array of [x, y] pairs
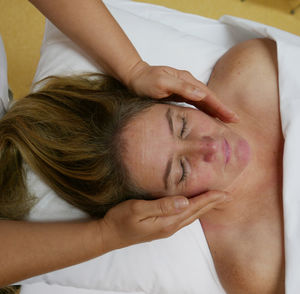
{"points": [[177, 39], [43, 288]]}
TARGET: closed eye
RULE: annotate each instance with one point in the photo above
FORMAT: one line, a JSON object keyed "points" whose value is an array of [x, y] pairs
{"points": [[183, 176], [183, 129]]}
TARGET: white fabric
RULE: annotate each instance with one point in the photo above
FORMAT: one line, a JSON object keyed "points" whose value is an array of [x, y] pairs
{"points": [[43, 288], [181, 263], [4, 100]]}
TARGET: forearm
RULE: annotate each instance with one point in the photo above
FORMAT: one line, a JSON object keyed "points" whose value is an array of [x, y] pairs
{"points": [[91, 26], [28, 249]]}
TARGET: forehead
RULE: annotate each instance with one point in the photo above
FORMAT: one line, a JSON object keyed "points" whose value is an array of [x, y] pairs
{"points": [[147, 141]]}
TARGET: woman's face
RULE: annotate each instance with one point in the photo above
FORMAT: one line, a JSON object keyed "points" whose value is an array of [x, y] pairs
{"points": [[172, 150]]}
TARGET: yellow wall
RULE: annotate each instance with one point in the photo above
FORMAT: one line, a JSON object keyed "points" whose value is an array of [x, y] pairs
{"points": [[271, 12], [21, 27]]}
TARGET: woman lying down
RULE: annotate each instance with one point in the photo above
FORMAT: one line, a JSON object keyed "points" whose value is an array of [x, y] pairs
{"points": [[97, 144]]}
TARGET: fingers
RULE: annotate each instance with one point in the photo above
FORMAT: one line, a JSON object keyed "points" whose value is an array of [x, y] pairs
{"points": [[202, 204], [166, 206], [176, 85], [135, 221], [198, 206], [214, 107], [163, 81], [201, 96], [190, 87], [200, 212]]}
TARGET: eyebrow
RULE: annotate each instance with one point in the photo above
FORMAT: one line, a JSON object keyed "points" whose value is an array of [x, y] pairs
{"points": [[168, 169]]}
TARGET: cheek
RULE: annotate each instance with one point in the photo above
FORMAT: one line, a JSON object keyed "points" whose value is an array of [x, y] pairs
{"points": [[200, 182]]}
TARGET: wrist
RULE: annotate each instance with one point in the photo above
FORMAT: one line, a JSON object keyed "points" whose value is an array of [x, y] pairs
{"points": [[134, 72], [104, 237], [97, 240]]}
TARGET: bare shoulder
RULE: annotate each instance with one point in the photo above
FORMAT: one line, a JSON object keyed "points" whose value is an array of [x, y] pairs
{"points": [[244, 58], [246, 76]]}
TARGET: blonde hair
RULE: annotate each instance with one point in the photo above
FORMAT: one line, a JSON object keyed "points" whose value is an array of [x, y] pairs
{"points": [[68, 132]]}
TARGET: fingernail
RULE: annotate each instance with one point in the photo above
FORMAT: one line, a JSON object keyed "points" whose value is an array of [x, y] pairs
{"points": [[199, 94], [181, 203], [235, 117]]}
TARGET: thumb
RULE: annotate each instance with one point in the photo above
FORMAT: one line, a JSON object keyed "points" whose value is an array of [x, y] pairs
{"points": [[165, 206]]}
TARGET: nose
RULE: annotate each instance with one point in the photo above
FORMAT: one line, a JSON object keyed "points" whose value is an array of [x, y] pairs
{"points": [[207, 147]]}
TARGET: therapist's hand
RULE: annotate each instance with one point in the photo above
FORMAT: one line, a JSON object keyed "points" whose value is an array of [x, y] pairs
{"points": [[164, 81], [137, 221]]}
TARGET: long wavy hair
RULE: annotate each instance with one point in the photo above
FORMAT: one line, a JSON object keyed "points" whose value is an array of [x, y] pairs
{"points": [[68, 133]]}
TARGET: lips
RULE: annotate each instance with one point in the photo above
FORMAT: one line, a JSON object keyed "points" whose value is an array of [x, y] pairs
{"points": [[227, 151]]}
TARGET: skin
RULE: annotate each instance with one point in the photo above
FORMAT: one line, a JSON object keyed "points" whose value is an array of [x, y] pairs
{"points": [[245, 236], [194, 143]]}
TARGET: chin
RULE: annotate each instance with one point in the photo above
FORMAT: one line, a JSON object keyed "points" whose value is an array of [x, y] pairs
{"points": [[243, 159]]}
